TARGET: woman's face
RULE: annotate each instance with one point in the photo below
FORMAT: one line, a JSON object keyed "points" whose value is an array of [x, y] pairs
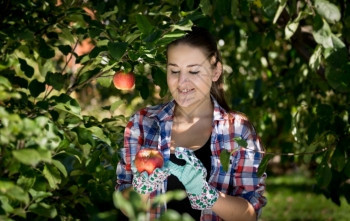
{"points": [[189, 75]]}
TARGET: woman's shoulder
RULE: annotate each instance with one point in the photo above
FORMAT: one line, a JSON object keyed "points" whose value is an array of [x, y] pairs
{"points": [[152, 111]]}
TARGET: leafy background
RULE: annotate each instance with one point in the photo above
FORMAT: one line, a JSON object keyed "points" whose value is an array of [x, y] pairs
{"points": [[61, 119]]}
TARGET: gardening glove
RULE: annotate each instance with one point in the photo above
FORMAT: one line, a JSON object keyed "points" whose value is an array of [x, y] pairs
{"points": [[144, 183], [193, 176]]}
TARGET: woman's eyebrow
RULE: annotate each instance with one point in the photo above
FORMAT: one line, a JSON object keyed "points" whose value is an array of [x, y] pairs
{"points": [[192, 65], [189, 66]]}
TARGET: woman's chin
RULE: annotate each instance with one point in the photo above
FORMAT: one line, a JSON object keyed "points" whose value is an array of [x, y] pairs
{"points": [[188, 102]]}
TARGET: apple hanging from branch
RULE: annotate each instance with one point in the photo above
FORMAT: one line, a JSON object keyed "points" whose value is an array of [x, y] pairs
{"points": [[148, 159], [123, 80]]}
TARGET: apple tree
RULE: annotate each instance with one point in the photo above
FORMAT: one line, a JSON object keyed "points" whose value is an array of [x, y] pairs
{"points": [[62, 120]]}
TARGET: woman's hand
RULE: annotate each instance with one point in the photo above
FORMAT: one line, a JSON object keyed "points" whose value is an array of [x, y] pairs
{"points": [[144, 183], [192, 175]]}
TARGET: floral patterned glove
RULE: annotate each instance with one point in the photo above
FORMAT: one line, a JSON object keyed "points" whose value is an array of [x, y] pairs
{"points": [[192, 175], [144, 183]]}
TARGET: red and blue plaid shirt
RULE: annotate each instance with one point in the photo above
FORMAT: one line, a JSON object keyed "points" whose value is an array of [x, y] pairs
{"points": [[151, 127]]}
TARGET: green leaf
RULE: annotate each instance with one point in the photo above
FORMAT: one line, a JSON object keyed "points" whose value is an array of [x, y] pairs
{"points": [[143, 24], [20, 212], [264, 163], [98, 132], [270, 7], [27, 69], [185, 25], [84, 135], [13, 191], [52, 175], [43, 209], [56, 80], [105, 80], [338, 159], [26, 35], [322, 33], [36, 87], [27, 156], [292, 26], [241, 142], [26, 182], [142, 86], [225, 159], [206, 7], [45, 51], [316, 58], [5, 82], [323, 174], [38, 196], [65, 49], [337, 55], [94, 161], [159, 78], [328, 10], [117, 49], [87, 75], [45, 155], [339, 77], [115, 105], [60, 167], [279, 11], [123, 204], [171, 36], [5, 205]]}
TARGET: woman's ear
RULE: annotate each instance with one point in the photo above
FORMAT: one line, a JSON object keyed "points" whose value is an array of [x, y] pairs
{"points": [[217, 71]]}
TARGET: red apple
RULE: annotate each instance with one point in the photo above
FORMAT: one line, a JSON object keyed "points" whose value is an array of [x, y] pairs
{"points": [[124, 81], [148, 159]]}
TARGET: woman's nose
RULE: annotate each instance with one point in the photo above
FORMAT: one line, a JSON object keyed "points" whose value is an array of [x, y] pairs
{"points": [[182, 77]]}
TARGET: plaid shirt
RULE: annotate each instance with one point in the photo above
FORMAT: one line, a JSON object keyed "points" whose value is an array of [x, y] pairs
{"points": [[151, 127]]}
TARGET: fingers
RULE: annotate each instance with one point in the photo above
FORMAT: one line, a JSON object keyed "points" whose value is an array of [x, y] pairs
{"points": [[187, 155], [175, 169], [191, 159]]}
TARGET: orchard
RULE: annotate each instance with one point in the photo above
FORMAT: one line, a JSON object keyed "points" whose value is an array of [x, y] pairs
{"points": [[63, 108]]}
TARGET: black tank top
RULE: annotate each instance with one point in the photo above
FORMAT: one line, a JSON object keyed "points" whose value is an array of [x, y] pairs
{"points": [[184, 206]]}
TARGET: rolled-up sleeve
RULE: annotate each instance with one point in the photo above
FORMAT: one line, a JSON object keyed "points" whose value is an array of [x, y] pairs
{"points": [[247, 160], [132, 143]]}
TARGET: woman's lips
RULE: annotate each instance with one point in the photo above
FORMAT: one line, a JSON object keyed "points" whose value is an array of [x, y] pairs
{"points": [[185, 91]]}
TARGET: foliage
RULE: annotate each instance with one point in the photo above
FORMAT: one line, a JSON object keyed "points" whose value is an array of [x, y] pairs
{"points": [[286, 65], [291, 197]]}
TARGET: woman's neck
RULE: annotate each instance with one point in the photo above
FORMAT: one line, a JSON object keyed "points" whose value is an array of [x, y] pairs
{"points": [[193, 113]]}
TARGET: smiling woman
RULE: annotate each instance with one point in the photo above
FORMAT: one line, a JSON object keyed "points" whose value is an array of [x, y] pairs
{"points": [[191, 131], [190, 75]]}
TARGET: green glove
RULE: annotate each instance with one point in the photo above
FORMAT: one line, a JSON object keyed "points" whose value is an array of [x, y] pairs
{"points": [[192, 175]]}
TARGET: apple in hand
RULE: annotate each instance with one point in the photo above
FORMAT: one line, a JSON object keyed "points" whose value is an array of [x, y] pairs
{"points": [[124, 81], [148, 159]]}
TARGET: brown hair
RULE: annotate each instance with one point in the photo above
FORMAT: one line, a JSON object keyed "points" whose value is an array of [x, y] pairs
{"points": [[201, 38]]}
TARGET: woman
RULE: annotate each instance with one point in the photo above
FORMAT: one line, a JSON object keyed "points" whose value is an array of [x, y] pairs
{"points": [[191, 131]]}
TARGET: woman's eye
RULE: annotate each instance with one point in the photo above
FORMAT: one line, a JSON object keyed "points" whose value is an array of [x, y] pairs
{"points": [[175, 72], [194, 72]]}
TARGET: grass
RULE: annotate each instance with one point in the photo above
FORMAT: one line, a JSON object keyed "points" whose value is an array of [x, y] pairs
{"points": [[291, 198]]}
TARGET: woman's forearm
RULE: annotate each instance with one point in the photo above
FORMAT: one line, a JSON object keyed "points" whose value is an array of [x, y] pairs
{"points": [[234, 208]]}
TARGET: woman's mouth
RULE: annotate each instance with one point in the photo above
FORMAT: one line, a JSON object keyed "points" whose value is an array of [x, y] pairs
{"points": [[185, 91]]}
